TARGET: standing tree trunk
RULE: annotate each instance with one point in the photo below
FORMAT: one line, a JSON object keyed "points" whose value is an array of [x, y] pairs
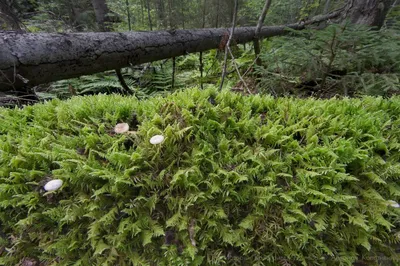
{"points": [[182, 16], [149, 15], [367, 12], [161, 13], [327, 6], [129, 15], [203, 24], [217, 15], [142, 12], [171, 21], [101, 10]]}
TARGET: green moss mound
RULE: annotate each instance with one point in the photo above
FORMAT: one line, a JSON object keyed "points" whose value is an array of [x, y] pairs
{"points": [[238, 181]]}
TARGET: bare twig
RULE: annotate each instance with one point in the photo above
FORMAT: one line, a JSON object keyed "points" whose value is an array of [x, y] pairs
{"points": [[261, 19], [228, 43], [8, 80], [251, 66], [201, 53], [11, 83], [145, 68], [213, 63], [173, 72], [201, 70], [238, 72], [122, 81], [191, 229]]}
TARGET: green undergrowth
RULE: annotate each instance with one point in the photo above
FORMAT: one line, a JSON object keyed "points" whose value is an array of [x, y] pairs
{"points": [[239, 180]]}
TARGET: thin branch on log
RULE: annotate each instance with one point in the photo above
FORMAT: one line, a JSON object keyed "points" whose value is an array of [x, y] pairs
{"points": [[229, 43]]}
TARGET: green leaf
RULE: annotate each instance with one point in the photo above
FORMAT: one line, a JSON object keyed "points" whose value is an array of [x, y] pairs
{"points": [[287, 218], [248, 222], [146, 237], [101, 247]]}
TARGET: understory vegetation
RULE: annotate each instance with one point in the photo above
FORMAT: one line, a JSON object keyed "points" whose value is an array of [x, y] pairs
{"points": [[238, 180], [295, 160], [339, 60]]}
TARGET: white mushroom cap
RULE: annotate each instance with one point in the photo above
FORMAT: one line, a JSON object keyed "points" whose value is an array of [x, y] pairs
{"points": [[121, 128], [393, 204], [157, 139], [53, 185]]}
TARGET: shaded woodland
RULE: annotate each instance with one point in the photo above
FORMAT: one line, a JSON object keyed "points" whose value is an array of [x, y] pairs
{"points": [[161, 30], [209, 132]]}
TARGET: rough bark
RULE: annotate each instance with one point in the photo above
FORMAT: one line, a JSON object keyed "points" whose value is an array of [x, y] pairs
{"points": [[367, 12], [32, 59]]}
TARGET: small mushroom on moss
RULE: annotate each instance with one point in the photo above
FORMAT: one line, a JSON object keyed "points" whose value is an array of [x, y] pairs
{"points": [[53, 185], [157, 139], [121, 128], [393, 204]]}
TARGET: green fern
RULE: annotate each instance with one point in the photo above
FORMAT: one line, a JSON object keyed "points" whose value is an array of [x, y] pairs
{"points": [[251, 180]]}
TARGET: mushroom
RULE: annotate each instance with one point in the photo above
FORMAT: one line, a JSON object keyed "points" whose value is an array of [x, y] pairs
{"points": [[157, 139], [121, 128], [53, 185], [393, 204]]}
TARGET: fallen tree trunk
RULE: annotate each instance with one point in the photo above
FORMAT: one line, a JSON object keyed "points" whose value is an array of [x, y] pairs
{"points": [[29, 59]]}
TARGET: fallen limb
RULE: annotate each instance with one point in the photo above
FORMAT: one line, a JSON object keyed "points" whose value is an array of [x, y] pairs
{"points": [[30, 59]]}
